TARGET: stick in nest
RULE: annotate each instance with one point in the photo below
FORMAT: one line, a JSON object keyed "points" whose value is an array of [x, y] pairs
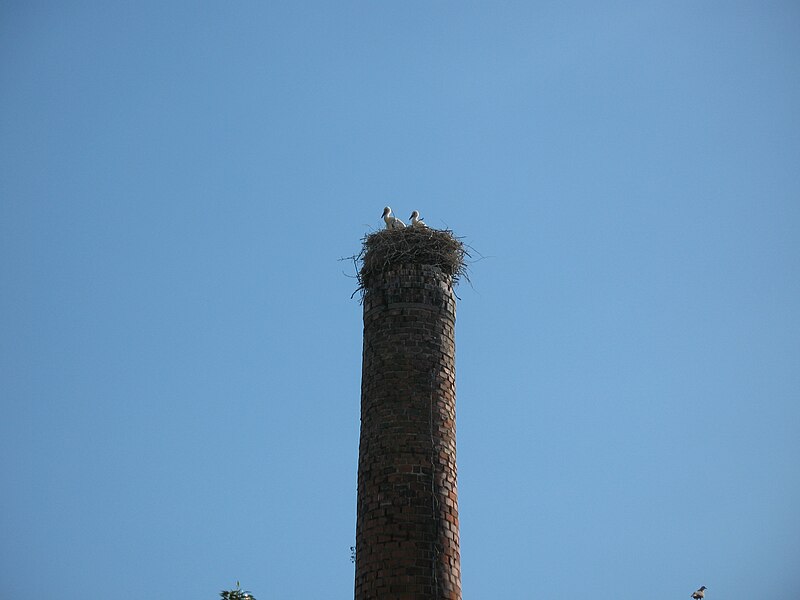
{"points": [[420, 246]]}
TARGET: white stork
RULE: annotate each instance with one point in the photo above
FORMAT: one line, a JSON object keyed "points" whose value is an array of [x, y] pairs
{"points": [[416, 221], [391, 221]]}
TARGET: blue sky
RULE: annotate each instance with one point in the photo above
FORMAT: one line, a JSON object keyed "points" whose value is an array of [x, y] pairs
{"points": [[180, 356]]}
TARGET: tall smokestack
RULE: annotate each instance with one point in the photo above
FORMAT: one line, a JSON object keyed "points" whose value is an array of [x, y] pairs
{"points": [[407, 541]]}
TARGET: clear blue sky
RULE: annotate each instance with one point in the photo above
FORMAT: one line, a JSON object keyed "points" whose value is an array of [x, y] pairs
{"points": [[180, 357]]}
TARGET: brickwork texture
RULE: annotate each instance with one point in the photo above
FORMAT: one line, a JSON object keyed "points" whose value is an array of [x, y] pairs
{"points": [[407, 540]]}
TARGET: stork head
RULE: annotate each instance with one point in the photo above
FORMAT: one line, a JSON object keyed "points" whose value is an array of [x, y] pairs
{"points": [[387, 211], [414, 215], [702, 588]]}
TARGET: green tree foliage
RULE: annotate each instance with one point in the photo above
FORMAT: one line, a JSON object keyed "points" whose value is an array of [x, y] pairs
{"points": [[237, 594]]}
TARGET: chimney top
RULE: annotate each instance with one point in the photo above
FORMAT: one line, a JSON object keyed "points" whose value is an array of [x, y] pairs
{"points": [[388, 248]]}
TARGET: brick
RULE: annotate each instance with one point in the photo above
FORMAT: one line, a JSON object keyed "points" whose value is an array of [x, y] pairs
{"points": [[407, 510]]}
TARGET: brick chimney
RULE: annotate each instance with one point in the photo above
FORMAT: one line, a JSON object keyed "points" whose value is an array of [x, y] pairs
{"points": [[407, 541]]}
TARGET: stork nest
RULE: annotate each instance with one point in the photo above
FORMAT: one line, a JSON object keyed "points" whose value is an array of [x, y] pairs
{"points": [[386, 248]]}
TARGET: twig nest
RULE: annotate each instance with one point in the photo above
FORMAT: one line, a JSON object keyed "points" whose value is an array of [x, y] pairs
{"points": [[420, 246]]}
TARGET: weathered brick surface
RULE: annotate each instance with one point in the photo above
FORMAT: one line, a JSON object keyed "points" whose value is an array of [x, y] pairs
{"points": [[407, 543]]}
